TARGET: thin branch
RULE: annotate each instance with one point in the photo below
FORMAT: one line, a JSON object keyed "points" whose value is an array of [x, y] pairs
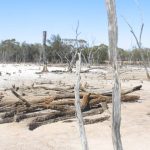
{"points": [[132, 31], [142, 26]]}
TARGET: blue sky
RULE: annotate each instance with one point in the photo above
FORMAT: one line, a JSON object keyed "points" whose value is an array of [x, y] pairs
{"points": [[25, 20]]}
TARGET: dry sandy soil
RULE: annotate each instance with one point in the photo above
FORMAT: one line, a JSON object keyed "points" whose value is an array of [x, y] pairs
{"points": [[135, 125]]}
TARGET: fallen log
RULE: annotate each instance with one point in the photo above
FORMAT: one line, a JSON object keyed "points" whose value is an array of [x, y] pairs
{"points": [[60, 116], [7, 108], [90, 121], [102, 96], [63, 102], [96, 120], [33, 125], [16, 111], [124, 98], [56, 97], [47, 88], [136, 88], [124, 92], [87, 102], [4, 104], [7, 120], [129, 98], [30, 115], [1, 97], [87, 70], [8, 114], [21, 98]]}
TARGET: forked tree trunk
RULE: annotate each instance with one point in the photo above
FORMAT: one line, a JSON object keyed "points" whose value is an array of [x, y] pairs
{"points": [[139, 44], [116, 102]]}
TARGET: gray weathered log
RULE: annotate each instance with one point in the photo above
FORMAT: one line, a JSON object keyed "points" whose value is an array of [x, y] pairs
{"points": [[123, 92]]}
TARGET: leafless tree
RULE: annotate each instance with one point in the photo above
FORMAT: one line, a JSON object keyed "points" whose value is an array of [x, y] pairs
{"points": [[76, 49], [77, 96], [139, 44], [116, 108]]}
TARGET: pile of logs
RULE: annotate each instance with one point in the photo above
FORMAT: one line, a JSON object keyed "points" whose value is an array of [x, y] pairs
{"points": [[59, 107]]}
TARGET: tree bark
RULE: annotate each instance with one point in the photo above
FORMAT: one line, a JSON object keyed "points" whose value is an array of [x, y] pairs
{"points": [[77, 105], [116, 96]]}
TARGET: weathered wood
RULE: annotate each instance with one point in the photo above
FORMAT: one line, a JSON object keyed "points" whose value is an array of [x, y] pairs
{"points": [[48, 88], [66, 95], [63, 105], [30, 115], [44, 52], [87, 70], [1, 96], [116, 95], [60, 116], [6, 120], [124, 92], [136, 88], [85, 102], [129, 98], [8, 114], [91, 104], [54, 88], [63, 96], [34, 125], [77, 103], [124, 98], [4, 104], [63, 102], [21, 98], [90, 121], [7, 108], [92, 96], [96, 120]]}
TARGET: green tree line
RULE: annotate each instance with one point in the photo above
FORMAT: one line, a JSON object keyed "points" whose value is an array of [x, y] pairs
{"points": [[62, 50]]}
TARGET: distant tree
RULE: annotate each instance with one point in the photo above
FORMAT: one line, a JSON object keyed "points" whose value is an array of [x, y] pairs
{"points": [[56, 48], [139, 42], [10, 50]]}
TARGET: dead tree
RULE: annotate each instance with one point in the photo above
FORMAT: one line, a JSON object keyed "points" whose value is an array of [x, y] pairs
{"points": [[77, 97], [76, 46], [116, 95], [44, 52], [139, 42]]}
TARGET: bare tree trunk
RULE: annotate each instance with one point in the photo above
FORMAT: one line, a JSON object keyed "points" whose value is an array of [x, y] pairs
{"points": [[77, 97], [116, 102], [77, 105], [44, 52]]}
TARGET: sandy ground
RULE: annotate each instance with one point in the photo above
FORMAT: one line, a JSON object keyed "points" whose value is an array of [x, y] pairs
{"points": [[135, 125]]}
